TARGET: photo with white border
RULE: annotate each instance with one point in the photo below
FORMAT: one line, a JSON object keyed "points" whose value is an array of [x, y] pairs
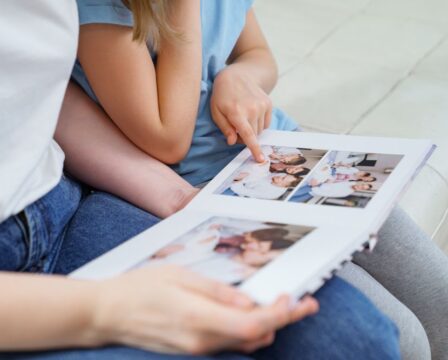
{"points": [[348, 179], [274, 179], [227, 249]]}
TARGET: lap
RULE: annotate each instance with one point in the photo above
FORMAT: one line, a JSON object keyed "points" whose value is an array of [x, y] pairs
{"points": [[101, 223], [343, 308], [347, 326], [31, 240]]}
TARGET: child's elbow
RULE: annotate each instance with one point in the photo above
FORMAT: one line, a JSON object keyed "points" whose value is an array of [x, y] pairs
{"points": [[177, 200], [175, 153]]}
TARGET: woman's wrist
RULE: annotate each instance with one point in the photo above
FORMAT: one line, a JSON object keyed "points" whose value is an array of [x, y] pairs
{"points": [[61, 313], [93, 330], [104, 313]]}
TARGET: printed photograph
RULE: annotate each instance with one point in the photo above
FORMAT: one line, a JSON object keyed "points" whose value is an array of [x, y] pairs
{"points": [[276, 178], [346, 179], [229, 250]]}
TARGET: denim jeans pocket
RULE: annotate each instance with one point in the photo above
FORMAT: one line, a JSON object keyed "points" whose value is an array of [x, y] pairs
{"points": [[14, 244], [31, 241]]}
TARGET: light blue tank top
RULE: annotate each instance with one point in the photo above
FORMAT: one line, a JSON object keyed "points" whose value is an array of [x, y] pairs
{"points": [[222, 23]]}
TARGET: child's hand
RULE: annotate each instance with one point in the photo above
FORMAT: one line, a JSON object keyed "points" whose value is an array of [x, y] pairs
{"points": [[240, 108]]}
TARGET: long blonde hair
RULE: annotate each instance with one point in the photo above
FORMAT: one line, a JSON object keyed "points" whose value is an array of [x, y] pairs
{"points": [[150, 20]]}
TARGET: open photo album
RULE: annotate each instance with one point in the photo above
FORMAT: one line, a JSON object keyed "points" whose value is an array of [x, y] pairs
{"points": [[284, 225]]}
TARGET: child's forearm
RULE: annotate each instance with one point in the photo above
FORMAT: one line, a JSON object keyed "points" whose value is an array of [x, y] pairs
{"points": [[252, 56], [259, 65], [178, 69], [154, 105], [101, 156]]}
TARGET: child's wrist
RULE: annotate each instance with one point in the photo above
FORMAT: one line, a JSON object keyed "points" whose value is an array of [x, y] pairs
{"points": [[230, 72]]}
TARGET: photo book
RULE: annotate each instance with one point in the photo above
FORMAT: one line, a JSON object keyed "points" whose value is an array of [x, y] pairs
{"points": [[284, 225]]}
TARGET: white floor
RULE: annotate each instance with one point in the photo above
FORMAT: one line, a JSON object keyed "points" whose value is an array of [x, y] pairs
{"points": [[373, 67]]}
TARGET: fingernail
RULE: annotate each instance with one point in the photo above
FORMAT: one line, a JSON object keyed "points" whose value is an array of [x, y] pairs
{"points": [[310, 302]]}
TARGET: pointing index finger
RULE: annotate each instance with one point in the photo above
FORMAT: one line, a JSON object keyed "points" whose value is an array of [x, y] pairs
{"points": [[250, 139]]}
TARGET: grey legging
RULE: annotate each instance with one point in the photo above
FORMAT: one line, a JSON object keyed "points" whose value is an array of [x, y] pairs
{"points": [[407, 277]]}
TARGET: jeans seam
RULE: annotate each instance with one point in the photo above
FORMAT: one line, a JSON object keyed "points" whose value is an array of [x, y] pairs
{"points": [[48, 267], [37, 235], [26, 239]]}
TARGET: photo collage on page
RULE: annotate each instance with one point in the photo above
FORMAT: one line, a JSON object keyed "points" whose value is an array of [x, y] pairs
{"points": [[229, 250], [337, 178], [276, 178]]}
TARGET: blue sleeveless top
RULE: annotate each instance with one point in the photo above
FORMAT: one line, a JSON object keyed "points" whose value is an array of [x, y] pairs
{"points": [[222, 24]]}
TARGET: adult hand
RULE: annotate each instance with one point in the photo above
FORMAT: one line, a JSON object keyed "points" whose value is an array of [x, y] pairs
{"points": [[173, 310], [240, 108]]}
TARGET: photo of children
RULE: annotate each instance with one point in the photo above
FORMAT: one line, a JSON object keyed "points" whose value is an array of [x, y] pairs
{"points": [[229, 250], [274, 179], [346, 179]]}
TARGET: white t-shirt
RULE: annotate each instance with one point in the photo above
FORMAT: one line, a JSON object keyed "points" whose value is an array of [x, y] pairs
{"points": [[336, 190], [37, 53]]}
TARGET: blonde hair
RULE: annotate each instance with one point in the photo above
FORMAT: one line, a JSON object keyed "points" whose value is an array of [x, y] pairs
{"points": [[150, 21]]}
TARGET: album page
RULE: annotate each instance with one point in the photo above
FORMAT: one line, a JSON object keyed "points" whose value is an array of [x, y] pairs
{"points": [[265, 258], [338, 180], [281, 226]]}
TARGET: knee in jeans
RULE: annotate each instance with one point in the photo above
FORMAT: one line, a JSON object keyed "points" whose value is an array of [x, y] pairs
{"points": [[380, 338], [361, 330]]}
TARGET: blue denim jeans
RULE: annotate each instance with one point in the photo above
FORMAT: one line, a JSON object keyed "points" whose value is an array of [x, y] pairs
{"points": [[67, 228], [31, 241]]}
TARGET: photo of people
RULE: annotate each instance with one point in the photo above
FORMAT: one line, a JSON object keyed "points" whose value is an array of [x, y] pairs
{"points": [[274, 179], [229, 250], [346, 179]]}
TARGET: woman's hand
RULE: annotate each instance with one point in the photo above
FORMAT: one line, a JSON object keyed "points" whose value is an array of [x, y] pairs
{"points": [[240, 108], [173, 310]]}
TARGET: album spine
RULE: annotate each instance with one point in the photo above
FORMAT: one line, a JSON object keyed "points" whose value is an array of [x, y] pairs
{"points": [[325, 276]]}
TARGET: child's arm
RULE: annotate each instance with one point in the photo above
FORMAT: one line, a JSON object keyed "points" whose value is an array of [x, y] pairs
{"points": [[154, 106], [99, 154], [240, 105], [253, 57]]}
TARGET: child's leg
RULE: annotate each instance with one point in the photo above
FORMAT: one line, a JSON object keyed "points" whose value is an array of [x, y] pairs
{"points": [[408, 264], [102, 222]]}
